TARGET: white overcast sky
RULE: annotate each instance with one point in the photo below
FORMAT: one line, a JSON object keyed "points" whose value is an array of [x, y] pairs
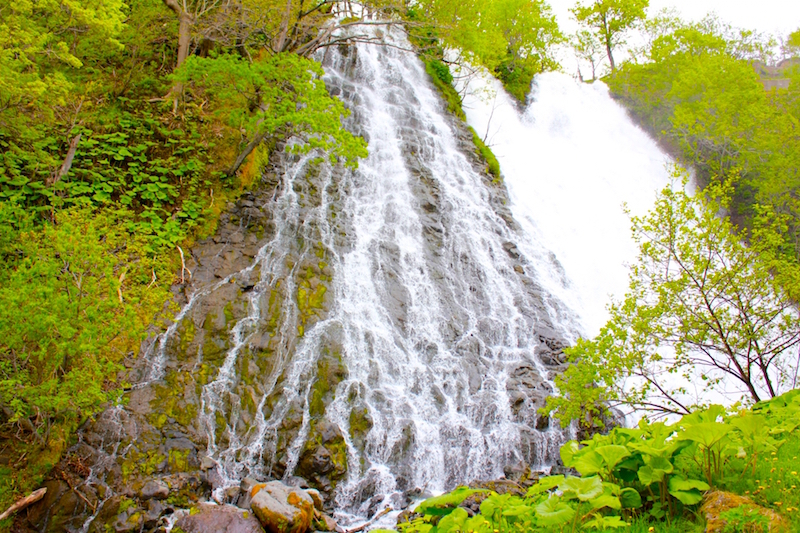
{"points": [[778, 17]]}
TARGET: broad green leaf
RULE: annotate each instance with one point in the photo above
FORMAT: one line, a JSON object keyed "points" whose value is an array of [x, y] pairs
{"points": [[630, 498], [605, 500], [518, 511], [661, 463], [446, 503], [687, 491], [612, 454], [690, 497], [553, 512], [606, 522], [453, 522], [750, 425], [496, 502], [544, 484], [655, 470], [677, 483], [706, 434], [478, 524], [584, 488], [567, 451], [611, 488], [588, 462]]}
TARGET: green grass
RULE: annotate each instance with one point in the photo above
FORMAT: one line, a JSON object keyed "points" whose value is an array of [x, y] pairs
{"points": [[492, 165], [679, 525], [775, 483]]}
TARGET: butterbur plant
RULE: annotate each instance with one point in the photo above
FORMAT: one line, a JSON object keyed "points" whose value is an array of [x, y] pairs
{"points": [[656, 472], [567, 504]]}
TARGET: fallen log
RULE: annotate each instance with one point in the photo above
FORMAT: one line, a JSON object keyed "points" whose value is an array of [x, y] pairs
{"points": [[33, 497]]}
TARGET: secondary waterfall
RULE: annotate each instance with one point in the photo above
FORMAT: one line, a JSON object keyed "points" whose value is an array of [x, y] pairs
{"points": [[571, 160]]}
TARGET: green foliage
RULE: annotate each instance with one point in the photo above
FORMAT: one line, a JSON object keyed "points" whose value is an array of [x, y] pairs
{"points": [[701, 305], [609, 20], [281, 95], [512, 38], [67, 318], [694, 85], [492, 164], [554, 501], [643, 479], [131, 159], [443, 81], [744, 519], [41, 37], [446, 503]]}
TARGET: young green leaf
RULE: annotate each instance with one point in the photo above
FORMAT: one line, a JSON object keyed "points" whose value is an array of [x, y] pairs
{"points": [[583, 488]]}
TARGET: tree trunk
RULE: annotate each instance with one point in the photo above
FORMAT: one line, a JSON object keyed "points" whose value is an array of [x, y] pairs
{"points": [[243, 155], [607, 39], [610, 57], [283, 33], [62, 171], [185, 22], [24, 502], [184, 37]]}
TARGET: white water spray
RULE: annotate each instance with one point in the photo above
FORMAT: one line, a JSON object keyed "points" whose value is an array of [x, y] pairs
{"points": [[570, 161]]}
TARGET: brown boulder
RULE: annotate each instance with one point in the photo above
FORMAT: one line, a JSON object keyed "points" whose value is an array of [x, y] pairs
{"points": [[281, 508], [209, 518], [717, 502]]}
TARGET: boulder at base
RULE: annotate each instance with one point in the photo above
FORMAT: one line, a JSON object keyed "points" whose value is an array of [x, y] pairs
{"points": [[281, 508], [209, 518], [717, 502]]}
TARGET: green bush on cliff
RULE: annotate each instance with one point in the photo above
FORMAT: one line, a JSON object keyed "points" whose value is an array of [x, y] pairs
{"points": [[492, 164], [75, 299], [69, 297]]}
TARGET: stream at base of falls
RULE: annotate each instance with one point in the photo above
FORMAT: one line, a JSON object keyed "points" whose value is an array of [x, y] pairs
{"points": [[378, 332]]}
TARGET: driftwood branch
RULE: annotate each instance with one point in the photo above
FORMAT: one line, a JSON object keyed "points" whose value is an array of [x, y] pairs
{"points": [[79, 494], [371, 521], [33, 497], [257, 138]]}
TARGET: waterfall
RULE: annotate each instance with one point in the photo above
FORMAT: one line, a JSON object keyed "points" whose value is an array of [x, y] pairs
{"points": [[412, 325], [571, 160], [389, 330]]}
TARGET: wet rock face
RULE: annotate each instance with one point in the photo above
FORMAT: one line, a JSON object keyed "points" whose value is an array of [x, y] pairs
{"points": [[323, 461], [243, 299]]}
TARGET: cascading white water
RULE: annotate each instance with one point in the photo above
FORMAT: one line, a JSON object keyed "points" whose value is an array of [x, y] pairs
{"points": [[570, 161], [435, 375]]}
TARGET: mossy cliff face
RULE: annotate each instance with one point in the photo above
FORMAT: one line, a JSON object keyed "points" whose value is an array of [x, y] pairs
{"points": [[256, 290]]}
